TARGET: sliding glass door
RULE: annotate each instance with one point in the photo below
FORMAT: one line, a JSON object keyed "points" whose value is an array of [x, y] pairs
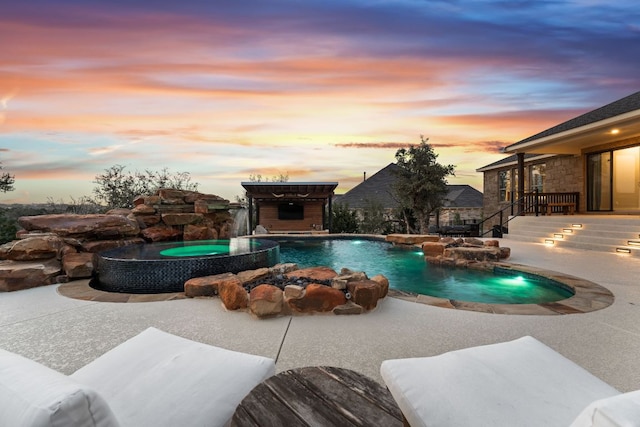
{"points": [[626, 179], [613, 180]]}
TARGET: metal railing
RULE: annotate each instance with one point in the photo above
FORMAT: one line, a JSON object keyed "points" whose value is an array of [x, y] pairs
{"points": [[534, 203]]}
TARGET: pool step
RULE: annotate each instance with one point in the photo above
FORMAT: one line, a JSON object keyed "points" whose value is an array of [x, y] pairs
{"points": [[604, 233]]}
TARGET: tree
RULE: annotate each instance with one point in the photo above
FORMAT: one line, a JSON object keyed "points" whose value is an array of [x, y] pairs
{"points": [[8, 227], [117, 188], [373, 220], [343, 219], [6, 182], [421, 182]]}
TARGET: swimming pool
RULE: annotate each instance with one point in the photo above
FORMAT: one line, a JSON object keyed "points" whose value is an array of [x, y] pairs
{"points": [[407, 271]]}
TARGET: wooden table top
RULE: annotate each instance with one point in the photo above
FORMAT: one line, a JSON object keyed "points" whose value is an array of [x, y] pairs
{"points": [[318, 396]]}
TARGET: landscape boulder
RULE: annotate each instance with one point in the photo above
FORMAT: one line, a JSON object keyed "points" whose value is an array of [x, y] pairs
{"points": [[208, 286], [233, 295], [348, 308], [199, 232], [19, 275], [78, 265], [96, 226], [365, 293], [266, 300], [33, 248], [318, 298], [433, 248], [160, 233], [313, 273], [253, 275], [411, 239]]}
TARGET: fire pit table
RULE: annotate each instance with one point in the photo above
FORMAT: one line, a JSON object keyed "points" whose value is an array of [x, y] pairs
{"points": [[313, 396]]}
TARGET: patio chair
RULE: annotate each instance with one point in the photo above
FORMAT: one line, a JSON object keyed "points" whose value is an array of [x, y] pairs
{"points": [[153, 379], [516, 383]]}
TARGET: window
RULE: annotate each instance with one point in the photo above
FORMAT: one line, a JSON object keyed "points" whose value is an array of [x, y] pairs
{"points": [[290, 211], [537, 174], [507, 184], [504, 186]]}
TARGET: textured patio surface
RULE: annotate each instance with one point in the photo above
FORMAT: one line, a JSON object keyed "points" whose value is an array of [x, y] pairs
{"points": [[66, 333]]}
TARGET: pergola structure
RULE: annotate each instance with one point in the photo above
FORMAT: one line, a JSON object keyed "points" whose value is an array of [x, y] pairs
{"points": [[290, 206]]}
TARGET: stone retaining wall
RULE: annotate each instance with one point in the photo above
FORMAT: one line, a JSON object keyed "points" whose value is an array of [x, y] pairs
{"points": [[58, 248]]}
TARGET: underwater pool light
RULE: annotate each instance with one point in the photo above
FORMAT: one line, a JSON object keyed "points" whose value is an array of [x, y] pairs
{"points": [[576, 225], [567, 230], [623, 250], [549, 242], [558, 235]]}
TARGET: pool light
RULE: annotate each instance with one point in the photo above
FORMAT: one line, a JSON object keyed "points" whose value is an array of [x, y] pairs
{"points": [[623, 250], [567, 230], [576, 225], [549, 242], [558, 235], [633, 242], [513, 281]]}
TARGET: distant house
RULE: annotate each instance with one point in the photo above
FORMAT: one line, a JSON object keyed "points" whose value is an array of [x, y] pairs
{"points": [[590, 163], [463, 203]]}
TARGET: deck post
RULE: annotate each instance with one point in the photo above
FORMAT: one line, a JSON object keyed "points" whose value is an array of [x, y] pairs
{"points": [[520, 183], [250, 230]]}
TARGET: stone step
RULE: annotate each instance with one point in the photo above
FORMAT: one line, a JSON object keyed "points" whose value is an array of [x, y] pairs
{"points": [[579, 234], [599, 233]]}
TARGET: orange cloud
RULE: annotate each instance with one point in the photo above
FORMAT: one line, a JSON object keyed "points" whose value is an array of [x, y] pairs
{"points": [[374, 145]]}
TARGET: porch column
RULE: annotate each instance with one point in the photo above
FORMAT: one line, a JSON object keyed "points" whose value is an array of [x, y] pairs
{"points": [[329, 222], [520, 183]]}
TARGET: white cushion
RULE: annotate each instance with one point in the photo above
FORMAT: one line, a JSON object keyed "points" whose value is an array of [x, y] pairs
{"points": [[159, 379], [622, 410], [521, 382], [33, 395]]}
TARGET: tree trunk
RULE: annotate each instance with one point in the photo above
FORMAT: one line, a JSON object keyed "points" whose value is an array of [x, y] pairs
{"points": [[423, 223]]}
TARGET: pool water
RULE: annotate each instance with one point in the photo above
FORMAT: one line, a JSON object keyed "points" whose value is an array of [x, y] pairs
{"points": [[196, 250], [407, 271], [201, 248]]}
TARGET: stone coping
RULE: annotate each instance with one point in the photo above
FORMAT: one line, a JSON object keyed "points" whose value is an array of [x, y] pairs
{"points": [[81, 290], [588, 296]]}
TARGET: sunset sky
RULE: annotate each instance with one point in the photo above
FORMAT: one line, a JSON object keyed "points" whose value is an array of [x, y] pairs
{"points": [[321, 90]]}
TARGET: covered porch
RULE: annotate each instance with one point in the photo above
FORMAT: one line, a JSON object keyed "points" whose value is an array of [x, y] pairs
{"points": [[598, 157]]}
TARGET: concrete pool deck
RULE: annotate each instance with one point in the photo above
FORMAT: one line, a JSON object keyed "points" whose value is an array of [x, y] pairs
{"points": [[66, 333]]}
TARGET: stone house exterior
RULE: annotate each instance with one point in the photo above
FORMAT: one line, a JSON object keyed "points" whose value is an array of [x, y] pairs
{"points": [[463, 204], [592, 160]]}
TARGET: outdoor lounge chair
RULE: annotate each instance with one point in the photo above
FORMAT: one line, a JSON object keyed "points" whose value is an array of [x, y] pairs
{"points": [[516, 383], [153, 379]]}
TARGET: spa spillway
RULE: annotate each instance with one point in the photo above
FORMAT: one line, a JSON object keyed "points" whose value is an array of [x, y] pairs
{"points": [[164, 267]]}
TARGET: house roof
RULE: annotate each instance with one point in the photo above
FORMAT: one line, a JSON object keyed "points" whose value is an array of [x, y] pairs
{"points": [[589, 129], [282, 191], [512, 161], [463, 196], [378, 188]]}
